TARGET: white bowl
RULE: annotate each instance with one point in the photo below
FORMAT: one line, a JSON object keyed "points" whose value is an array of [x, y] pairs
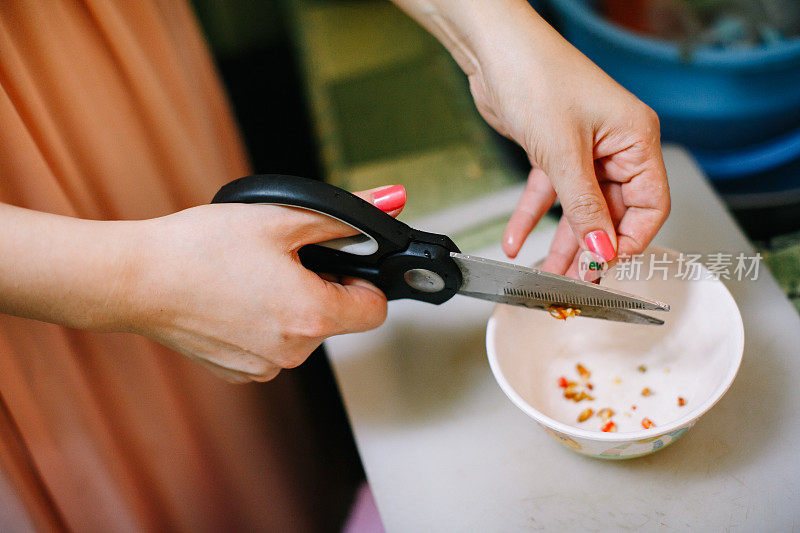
{"points": [[694, 355]]}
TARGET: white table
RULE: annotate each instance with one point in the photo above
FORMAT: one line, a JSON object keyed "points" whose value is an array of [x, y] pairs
{"points": [[444, 450]]}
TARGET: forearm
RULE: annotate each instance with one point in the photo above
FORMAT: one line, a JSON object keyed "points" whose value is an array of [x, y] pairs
{"points": [[64, 270], [580, 129], [476, 32]]}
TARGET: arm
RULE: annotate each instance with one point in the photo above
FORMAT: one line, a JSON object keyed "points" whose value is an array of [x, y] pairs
{"points": [[65, 270], [589, 141], [219, 283]]}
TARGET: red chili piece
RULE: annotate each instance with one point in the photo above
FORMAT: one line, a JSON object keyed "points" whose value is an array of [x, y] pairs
{"points": [[609, 427]]}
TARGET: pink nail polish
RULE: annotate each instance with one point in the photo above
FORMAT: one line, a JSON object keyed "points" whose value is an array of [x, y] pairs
{"points": [[599, 243], [509, 245], [390, 198]]}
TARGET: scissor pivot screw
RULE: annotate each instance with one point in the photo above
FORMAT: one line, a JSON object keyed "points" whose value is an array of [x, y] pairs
{"points": [[424, 280]]}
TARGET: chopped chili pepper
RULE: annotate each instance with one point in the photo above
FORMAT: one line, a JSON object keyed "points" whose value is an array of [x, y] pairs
{"points": [[585, 414], [647, 423], [563, 313], [609, 427], [633, 407], [605, 413], [646, 391], [572, 390], [642, 368], [582, 396], [681, 401]]}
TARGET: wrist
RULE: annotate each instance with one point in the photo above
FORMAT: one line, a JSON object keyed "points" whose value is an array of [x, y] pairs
{"points": [[141, 281], [96, 288], [119, 304]]}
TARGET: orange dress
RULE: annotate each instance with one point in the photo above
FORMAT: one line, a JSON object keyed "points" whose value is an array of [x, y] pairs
{"points": [[113, 110]]}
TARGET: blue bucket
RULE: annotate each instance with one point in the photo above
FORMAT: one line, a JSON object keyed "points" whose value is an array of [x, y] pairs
{"points": [[767, 171], [721, 99], [782, 152]]}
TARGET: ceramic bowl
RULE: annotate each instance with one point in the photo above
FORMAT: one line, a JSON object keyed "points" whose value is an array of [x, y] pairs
{"points": [[691, 360]]}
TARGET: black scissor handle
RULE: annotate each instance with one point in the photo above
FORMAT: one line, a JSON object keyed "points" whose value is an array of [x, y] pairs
{"points": [[403, 262]]}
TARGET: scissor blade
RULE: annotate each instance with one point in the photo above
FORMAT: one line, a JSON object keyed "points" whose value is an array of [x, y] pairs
{"points": [[529, 287], [604, 313]]}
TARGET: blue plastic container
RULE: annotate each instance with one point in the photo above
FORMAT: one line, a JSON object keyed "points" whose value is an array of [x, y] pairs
{"points": [[720, 99], [764, 174], [744, 162]]}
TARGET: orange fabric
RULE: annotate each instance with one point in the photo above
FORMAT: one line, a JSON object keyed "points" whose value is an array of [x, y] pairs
{"points": [[112, 110]]}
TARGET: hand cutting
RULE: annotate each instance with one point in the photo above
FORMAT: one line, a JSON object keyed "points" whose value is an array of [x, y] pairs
{"points": [[407, 263]]}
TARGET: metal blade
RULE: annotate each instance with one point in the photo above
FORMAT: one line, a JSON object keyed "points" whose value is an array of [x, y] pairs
{"points": [[518, 285]]}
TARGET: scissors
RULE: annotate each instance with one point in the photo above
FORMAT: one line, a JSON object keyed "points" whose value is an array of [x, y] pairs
{"points": [[404, 262]]}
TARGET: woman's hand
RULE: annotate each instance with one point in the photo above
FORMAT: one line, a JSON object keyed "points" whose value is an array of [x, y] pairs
{"points": [[219, 283], [223, 285], [591, 143]]}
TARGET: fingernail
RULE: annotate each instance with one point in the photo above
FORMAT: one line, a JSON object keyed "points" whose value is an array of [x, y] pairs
{"points": [[390, 198], [599, 243], [509, 245]]}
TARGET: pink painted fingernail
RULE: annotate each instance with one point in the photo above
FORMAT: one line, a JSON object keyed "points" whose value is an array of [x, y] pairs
{"points": [[390, 199], [509, 243], [599, 243]]}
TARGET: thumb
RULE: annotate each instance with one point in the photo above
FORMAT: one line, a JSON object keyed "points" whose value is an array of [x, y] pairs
{"points": [[308, 227], [571, 172], [358, 305]]}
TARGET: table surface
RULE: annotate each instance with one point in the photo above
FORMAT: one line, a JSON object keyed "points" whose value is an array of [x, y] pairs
{"points": [[444, 450]]}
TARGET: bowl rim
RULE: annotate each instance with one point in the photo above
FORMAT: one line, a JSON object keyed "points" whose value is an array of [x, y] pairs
{"points": [[687, 420]]}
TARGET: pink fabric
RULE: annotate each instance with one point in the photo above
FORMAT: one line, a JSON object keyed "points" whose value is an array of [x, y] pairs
{"points": [[364, 517]]}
